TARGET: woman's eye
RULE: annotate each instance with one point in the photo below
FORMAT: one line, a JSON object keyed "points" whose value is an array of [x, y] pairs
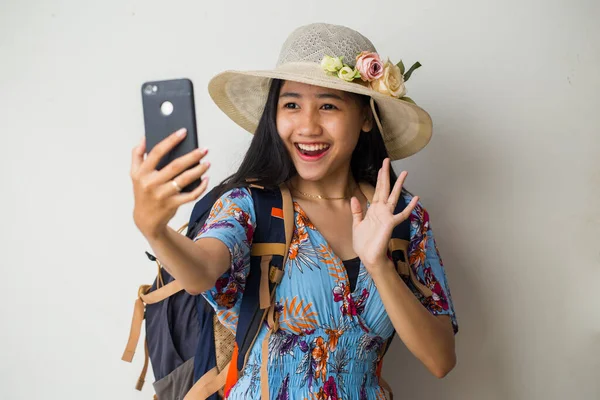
{"points": [[291, 105], [329, 107]]}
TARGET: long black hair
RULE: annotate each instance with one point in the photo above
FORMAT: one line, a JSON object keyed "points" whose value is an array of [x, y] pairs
{"points": [[267, 162]]}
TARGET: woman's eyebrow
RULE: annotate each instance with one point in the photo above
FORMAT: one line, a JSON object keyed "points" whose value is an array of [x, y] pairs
{"points": [[290, 94], [318, 96], [329, 96]]}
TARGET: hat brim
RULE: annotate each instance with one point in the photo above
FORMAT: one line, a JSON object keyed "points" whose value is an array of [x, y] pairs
{"points": [[406, 128]]}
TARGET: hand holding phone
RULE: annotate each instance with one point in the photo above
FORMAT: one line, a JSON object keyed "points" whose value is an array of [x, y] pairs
{"points": [[171, 173]]}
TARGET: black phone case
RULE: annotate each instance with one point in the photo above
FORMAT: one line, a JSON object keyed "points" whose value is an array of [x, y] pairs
{"points": [[180, 92]]}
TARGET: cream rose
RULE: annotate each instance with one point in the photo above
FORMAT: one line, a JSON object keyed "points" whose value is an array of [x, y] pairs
{"points": [[331, 64], [392, 81], [348, 74]]}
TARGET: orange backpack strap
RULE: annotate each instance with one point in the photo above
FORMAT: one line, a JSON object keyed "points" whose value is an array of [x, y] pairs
{"points": [[273, 324], [145, 297], [209, 384], [142, 378], [272, 316], [161, 293], [136, 325]]}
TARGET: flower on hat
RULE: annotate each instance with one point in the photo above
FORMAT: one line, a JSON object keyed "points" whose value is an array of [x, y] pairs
{"points": [[386, 78], [336, 66], [332, 64], [391, 81], [369, 65], [348, 74]]}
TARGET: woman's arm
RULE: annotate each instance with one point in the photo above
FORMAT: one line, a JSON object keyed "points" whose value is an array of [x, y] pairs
{"points": [[157, 196], [196, 265], [430, 338]]}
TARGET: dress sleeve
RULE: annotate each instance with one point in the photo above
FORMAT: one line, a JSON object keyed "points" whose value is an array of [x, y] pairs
{"points": [[232, 221], [427, 264]]}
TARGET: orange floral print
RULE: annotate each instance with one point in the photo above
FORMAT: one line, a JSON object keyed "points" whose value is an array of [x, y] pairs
{"points": [[320, 355]]}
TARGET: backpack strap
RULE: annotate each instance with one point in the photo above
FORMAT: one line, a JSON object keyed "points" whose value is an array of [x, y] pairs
{"points": [[145, 297], [271, 239], [200, 213], [270, 246], [208, 385]]}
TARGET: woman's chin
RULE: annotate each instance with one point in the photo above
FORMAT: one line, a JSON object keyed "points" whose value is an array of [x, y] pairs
{"points": [[312, 175], [312, 172]]}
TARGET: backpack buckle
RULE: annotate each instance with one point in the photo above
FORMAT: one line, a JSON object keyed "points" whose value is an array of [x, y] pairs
{"points": [[150, 256]]}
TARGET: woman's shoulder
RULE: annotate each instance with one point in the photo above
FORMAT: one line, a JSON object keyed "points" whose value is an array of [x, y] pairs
{"points": [[233, 195], [230, 201]]}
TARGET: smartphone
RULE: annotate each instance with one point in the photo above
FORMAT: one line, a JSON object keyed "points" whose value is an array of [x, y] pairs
{"points": [[169, 106]]}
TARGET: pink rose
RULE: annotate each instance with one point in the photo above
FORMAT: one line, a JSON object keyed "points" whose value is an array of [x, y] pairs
{"points": [[369, 65]]}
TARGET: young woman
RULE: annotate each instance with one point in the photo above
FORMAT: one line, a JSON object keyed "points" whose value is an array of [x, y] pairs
{"points": [[327, 121]]}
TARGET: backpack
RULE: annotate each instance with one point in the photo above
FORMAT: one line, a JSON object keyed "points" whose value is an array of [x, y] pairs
{"points": [[193, 355]]}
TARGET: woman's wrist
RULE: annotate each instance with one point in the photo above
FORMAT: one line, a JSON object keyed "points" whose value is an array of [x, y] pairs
{"points": [[156, 235], [381, 269]]}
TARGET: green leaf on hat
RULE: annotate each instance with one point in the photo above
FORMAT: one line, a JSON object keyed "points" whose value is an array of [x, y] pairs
{"points": [[408, 99], [411, 70], [401, 66]]}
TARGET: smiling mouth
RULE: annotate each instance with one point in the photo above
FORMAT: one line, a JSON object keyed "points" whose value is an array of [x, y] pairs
{"points": [[312, 151]]}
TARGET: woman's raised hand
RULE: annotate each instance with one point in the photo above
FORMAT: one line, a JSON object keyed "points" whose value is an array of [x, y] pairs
{"points": [[158, 194]]}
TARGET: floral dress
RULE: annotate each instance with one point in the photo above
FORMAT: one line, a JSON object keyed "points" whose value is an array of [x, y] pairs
{"points": [[330, 339]]}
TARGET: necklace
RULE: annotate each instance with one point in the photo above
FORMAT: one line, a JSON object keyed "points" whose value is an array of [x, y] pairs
{"points": [[317, 196]]}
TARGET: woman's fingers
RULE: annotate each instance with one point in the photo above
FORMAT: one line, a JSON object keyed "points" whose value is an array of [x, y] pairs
{"points": [[377, 185], [162, 149], [179, 165], [137, 156], [184, 198], [169, 188], [385, 179], [397, 190], [405, 214], [382, 190]]}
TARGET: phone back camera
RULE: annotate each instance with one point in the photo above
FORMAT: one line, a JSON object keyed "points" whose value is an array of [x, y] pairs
{"points": [[150, 89]]}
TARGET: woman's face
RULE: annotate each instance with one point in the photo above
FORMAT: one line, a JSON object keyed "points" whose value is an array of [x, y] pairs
{"points": [[320, 127]]}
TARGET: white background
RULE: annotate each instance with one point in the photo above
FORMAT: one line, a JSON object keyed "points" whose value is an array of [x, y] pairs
{"points": [[511, 178]]}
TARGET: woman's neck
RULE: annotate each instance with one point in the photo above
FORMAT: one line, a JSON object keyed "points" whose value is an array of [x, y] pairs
{"points": [[334, 186]]}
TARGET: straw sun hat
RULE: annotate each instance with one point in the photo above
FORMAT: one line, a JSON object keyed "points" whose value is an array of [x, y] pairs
{"points": [[334, 57]]}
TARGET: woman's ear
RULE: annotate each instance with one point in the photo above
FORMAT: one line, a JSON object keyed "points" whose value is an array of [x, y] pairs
{"points": [[368, 120]]}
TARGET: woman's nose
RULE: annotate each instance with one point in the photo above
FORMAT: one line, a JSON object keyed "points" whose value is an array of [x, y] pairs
{"points": [[309, 124]]}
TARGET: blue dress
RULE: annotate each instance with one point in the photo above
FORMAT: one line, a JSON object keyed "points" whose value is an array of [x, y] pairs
{"points": [[330, 339]]}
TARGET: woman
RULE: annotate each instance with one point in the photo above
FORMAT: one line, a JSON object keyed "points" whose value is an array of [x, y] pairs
{"points": [[329, 118]]}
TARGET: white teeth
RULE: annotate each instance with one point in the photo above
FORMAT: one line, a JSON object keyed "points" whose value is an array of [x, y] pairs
{"points": [[313, 147]]}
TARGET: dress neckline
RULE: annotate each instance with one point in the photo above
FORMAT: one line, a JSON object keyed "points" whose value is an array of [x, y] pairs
{"points": [[310, 225]]}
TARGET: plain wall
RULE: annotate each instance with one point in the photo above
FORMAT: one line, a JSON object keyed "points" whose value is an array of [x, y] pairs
{"points": [[511, 178]]}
